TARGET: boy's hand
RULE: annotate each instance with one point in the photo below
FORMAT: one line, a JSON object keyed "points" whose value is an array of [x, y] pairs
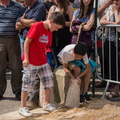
{"points": [[70, 82], [79, 81], [25, 63]]}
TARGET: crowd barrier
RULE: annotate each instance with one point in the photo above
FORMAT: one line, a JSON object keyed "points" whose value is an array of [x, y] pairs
{"points": [[107, 54]]}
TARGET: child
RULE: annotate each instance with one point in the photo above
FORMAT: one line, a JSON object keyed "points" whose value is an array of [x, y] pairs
{"points": [[35, 60], [71, 56]]}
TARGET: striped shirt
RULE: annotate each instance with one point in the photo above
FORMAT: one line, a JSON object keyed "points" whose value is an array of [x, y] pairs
{"points": [[8, 17]]}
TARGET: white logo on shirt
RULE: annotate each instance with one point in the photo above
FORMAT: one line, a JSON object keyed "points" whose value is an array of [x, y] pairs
{"points": [[43, 39]]}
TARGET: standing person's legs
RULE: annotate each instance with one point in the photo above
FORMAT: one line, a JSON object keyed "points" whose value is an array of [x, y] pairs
{"points": [[33, 100], [14, 59], [29, 76], [46, 76], [3, 64]]}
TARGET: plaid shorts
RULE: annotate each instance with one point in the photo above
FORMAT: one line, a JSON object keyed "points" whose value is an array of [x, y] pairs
{"points": [[31, 72]]}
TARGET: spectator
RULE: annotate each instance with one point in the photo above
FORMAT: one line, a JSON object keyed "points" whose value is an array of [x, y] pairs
{"points": [[41, 1], [85, 14], [35, 60], [22, 2], [62, 37], [112, 17], [48, 4], [17, 1], [10, 47], [73, 4], [102, 9], [34, 12], [77, 2]]}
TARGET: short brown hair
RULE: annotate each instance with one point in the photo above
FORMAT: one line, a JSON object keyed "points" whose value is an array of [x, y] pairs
{"points": [[58, 18]]}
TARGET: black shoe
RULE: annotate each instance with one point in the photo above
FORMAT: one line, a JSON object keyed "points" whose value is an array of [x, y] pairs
{"points": [[87, 98], [1, 96], [82, 99]]}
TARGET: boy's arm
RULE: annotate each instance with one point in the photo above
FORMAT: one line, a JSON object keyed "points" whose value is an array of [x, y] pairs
{"points": [[26, 51], [88, 69], [67, 71]]}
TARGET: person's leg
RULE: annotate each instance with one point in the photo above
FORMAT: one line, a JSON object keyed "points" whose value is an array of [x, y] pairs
{"points": [[14, 59], [47, 80], [86, 81], [3, 64], [47, 93], [24, 97], [33, 99], [29, 75], [84, 87]]}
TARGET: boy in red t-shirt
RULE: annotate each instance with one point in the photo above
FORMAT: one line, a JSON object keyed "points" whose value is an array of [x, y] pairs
{"points": [[35, 60]]}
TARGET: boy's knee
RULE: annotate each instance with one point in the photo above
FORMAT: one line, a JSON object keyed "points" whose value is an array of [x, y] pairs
{"points": [[27, 90]]}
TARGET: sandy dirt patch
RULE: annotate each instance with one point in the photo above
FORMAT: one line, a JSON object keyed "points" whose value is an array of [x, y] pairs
{"points": [[99, 109]]}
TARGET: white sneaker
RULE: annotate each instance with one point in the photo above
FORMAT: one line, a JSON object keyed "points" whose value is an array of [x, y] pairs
{"points": [[25, 112], [49, 107]]}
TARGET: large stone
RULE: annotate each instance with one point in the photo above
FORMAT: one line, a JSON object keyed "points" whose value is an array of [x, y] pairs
{"points": [[41, 98], [61, 84]]}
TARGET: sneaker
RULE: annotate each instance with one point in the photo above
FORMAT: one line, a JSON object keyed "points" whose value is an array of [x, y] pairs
{"points": [[31, 105], [82, 99], [87, 98], [25, 112], [49, 107]]}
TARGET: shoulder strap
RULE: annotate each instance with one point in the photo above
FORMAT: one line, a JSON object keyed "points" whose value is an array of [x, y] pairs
{"points": [[79, 31]]}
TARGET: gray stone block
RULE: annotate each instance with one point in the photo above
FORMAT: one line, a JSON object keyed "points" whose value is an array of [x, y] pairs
{"points": [[61, 84]]}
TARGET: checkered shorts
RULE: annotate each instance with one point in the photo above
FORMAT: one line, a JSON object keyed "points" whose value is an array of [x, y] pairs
{"points": [[31, 72]]}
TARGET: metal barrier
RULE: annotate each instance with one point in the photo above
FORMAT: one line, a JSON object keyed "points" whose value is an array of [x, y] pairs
{"points": [[109, 53]]}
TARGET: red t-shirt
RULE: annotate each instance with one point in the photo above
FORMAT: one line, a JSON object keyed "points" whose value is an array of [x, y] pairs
{"points": [[41, 38]]}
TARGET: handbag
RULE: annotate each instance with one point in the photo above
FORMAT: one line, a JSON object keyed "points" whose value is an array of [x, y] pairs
{"points": [[79, 35], [76, 31]]}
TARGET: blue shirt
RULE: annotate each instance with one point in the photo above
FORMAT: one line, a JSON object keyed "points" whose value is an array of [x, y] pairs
{"points": [[37, 12], [83, 19], [8, 16]]}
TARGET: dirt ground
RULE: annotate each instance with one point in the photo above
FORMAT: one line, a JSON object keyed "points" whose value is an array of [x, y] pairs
{"points": [[99, 109]]}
